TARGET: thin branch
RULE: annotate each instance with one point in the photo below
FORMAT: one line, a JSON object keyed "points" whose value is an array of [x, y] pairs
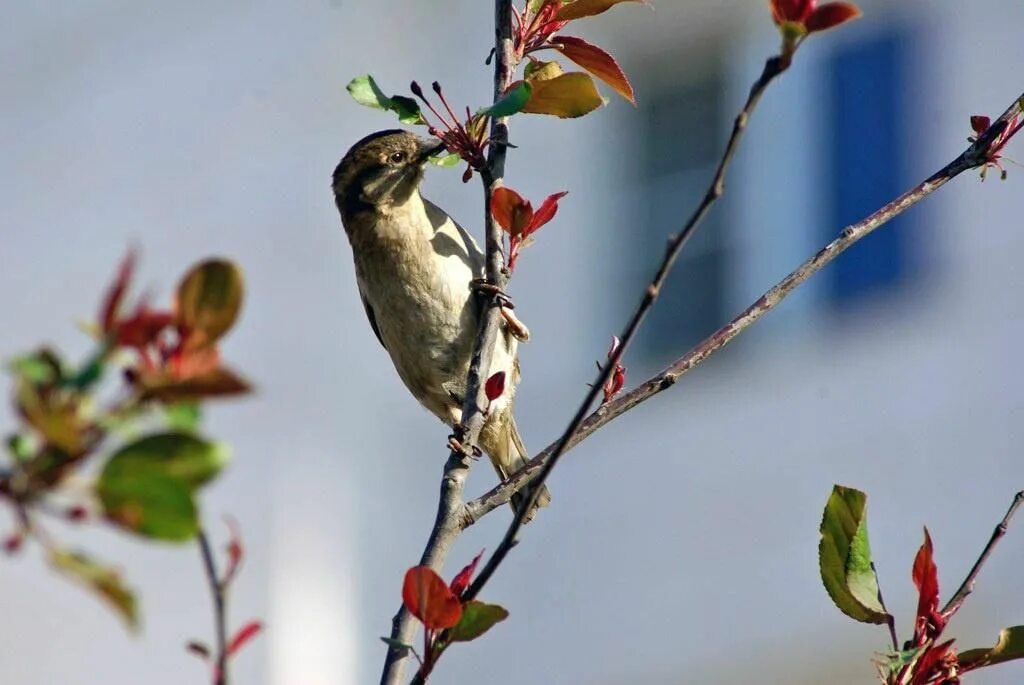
{"points": [[450, 504], [974, 157], [220, 673], [772, 68], [967, 587]]}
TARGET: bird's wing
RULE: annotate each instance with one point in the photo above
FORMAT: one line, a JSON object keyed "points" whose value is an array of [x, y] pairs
{"points": [[371, 316]]}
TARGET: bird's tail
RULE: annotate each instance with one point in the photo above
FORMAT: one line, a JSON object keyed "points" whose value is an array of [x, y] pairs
{"points": [[500, 439]]}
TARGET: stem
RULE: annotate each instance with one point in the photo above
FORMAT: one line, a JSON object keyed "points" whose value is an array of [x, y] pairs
{"points": [[450, 504], [967, 587], [977, 155], [217, 592], [772, 68]]}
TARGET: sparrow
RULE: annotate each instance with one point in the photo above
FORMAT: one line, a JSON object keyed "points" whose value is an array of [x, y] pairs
{"points": [[415, 269]]}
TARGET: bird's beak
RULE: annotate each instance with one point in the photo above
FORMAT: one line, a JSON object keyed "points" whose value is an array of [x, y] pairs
{"points": [[429, 147]]}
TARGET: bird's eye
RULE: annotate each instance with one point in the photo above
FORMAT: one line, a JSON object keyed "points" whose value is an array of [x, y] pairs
{"points": [[397, 157]]}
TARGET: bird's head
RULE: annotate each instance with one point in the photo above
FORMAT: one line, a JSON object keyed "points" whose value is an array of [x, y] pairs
{"points": [[384, 168]]}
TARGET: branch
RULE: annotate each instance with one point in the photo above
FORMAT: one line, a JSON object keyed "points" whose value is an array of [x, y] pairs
{"points": [[772, 68], [977, 155], [450, 507], [220, 669], [967, 587]]}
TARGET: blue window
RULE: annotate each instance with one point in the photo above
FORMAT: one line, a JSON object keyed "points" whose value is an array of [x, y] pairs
{"points": [[867, 153]]}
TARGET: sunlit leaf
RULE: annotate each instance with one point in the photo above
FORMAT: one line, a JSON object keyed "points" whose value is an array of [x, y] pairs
{"points": [[588, 8], [477, 619], [597, 62], [209, 299], [542, 71], [183, 416], [844, 557], [220, 382], [830, 15], [512, 212], [567, 96], [512, 102], [181, 456], [365, 91], [546, 212], [42, 367], [448, 160], [57, 415], [103, 580], [1009, 647], [152, 505], [429, 599]]}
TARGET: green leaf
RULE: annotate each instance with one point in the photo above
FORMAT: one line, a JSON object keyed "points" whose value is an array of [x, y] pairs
{"points": [[567, 96], [587, 8], [1009, 647], [42, 367], [844, 557], [366, 92], [477, 619], [177, 455], [542, 71], [22, 447], [183, 416], [149, 504], [209, 299], [512, 102], [104, 581], [449, 160], [402, 647]]}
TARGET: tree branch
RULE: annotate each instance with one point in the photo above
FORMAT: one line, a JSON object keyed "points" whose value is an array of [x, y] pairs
{"points": [[975, 156], [450, 504], [772, 68], [220, 669], [967, 587]]}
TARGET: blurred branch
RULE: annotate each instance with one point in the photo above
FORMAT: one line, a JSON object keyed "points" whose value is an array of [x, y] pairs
{"points": [[450, 505], [967, 587], [977, 155], [772, 68], [220, 669]]}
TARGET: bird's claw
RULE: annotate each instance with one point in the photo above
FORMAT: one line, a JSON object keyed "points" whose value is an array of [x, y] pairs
{"points": [[456, 446], [482, 285]]}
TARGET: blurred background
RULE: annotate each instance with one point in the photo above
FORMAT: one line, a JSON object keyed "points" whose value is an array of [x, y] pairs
{"points": [[681, 545]]}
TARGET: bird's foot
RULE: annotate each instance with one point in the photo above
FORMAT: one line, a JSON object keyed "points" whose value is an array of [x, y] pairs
{"points": [[482, 285], [516, 327], [456, 446]]}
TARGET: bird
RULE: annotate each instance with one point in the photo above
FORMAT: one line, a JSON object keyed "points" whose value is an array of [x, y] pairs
{"points": [[415, 271]]}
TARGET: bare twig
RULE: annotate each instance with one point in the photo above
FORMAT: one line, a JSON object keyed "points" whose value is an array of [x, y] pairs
{"points": [[974, 157], [447, 523], [772, 68], [967, 587], [220, 672]]}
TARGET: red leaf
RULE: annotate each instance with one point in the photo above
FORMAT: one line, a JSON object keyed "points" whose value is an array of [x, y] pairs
{"points": [[495, 386], [937, 661], [429, 599], [830, 15], [791, 10], [244, 634], [546, 213], [598, 62], [511, 211], [929, 623], [980, 123], [115, 294], [461, 581], [142, 328]]}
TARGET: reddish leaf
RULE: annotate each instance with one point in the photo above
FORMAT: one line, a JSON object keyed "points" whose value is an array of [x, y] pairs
{"points": [[980, 123], [936, 665], [236, 551], [115, 295], [220, 382], [142, 328], [597, 62], [587, 8], [244, 634], [830, 15], [495, 386], [929, 622], [546, 213], [429, 599], [512, 212], [791, 10], [461, 581]]}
